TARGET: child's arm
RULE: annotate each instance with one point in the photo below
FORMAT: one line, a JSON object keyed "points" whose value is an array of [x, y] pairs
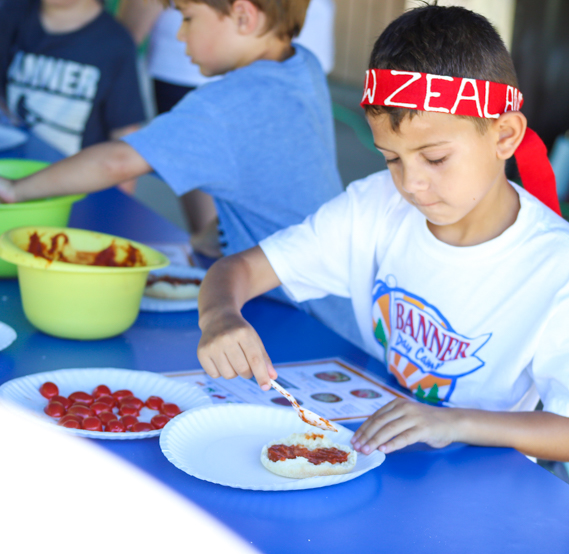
{"points": [[139, 16], [130, 185], [95, 168], [401, 422], [229, 345]]}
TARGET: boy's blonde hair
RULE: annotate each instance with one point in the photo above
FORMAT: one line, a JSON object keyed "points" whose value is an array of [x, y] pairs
{"points": [[284, 17]]}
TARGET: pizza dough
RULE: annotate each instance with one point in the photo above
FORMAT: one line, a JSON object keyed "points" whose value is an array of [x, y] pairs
{"points": [[172, 288], [318, 446]]}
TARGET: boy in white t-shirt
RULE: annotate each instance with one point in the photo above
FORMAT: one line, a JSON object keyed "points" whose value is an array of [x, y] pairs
{"points": [[459, 279]]}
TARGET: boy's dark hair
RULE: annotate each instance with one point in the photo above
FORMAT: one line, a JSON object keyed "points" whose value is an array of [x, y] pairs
{"points": [[284, 17], [450, 41]]}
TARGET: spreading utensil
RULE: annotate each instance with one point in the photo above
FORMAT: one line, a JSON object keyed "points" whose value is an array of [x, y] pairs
{"points": [[306, 415]]}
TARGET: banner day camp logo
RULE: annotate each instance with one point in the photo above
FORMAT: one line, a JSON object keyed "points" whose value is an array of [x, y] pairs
{"points": [[422, 350]]}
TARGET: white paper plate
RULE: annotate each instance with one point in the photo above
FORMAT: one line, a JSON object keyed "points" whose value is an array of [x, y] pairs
{"points": [[24, 392], [222, 444], [149, 304], [7, 335], [11, 137]]}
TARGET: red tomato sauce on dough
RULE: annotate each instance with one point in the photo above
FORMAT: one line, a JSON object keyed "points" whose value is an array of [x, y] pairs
{"points": [[108, 257], [281, 452], [172, 280]]}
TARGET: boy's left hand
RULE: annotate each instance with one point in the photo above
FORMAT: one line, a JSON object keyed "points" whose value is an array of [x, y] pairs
{"points": [[403, 422], [7, 194]]}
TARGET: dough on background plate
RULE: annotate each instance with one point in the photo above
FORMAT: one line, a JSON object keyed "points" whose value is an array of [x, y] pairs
{"points": [[172, 290], [300, 467]]}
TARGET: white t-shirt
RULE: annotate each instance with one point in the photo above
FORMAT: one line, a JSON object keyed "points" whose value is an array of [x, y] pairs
{"points": [[482, 326], [168, 62]]}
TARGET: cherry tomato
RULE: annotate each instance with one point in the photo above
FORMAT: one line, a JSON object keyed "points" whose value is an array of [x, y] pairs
{"points": [[68, 417], [158, 421], [80, 410], [132, 400], [107, 400], [55, 409], [64, 400], [154, 402], [82, 397], [129, 421], [70, 421], [141, 426], [105, 417], [128, 409], [101, 390], [117, 395], [92, 423], [115, 426], [100, 407], [169, 409], [49, 390]]}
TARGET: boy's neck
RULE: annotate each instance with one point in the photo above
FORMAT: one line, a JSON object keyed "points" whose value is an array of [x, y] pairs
{"points": [[72, 17], [488, 220], [271, 48]]}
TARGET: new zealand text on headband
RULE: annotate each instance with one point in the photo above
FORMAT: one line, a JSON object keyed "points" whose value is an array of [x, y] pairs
{"points": [[466, 97]]}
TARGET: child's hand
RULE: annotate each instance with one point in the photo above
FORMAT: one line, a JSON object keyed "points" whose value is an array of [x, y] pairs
{"points": [[230, 347], [401, 423], [7, 194]]}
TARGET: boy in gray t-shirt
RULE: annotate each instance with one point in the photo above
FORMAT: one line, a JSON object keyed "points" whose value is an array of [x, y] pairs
{"points": [[260, 140]]}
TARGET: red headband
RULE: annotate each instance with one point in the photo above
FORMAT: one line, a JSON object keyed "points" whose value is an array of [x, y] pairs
{"points": [[467, 97]]}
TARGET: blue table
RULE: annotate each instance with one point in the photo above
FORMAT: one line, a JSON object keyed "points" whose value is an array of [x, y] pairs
{"points": [[460, 499]]}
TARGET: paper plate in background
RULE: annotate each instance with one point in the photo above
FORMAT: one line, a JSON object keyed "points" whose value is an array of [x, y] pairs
{"points": [[222, 444], [7, 335], [150, 304], [24, 392]]}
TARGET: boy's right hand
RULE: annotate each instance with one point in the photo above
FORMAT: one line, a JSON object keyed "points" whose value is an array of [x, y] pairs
{"points": [[7, 193], [230, 347]]}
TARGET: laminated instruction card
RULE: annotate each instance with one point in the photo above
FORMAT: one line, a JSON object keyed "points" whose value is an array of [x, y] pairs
{"points": [[331, 388]]}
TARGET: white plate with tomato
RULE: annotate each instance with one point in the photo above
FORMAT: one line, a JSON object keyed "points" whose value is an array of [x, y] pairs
{"points": [[7, 335], [104, 403]]}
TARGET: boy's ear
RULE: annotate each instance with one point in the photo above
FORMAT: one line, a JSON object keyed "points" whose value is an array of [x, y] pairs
{"points": [[247, 16], [511, 128]]}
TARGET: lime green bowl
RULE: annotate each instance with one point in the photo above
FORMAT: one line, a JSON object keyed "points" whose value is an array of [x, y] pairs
{"points": [[48, 211], [75, 301]]}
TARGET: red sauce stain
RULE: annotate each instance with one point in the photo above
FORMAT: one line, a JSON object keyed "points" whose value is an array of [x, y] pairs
{"points": [[281, 452], [108, 257], [172, 280]]}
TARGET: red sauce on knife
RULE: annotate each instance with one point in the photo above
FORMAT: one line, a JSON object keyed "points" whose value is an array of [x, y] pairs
{"points": [[281, 452]]}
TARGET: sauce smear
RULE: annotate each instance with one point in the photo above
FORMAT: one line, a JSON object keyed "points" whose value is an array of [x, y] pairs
{"points": [[59, 251], [281, 452], [172, 280]]}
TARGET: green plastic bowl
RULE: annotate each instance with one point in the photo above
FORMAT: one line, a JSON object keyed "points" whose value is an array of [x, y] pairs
{"points": [[75, 301], [47, 211]]}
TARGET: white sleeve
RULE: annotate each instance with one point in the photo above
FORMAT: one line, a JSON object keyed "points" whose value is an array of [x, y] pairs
{"points": [[550, 366], [312, 259]]}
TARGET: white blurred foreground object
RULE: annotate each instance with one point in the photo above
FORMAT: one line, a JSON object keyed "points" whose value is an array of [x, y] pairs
{"points": [[60, 488], [306, 415]]}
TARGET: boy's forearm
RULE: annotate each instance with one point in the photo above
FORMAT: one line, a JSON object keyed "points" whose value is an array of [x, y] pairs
{"points": [[540, 434], [95, 168], [139, 16], [234, 280]]}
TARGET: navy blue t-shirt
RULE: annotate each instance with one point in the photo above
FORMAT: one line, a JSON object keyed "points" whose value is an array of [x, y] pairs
{"points": [[72, 89]]}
